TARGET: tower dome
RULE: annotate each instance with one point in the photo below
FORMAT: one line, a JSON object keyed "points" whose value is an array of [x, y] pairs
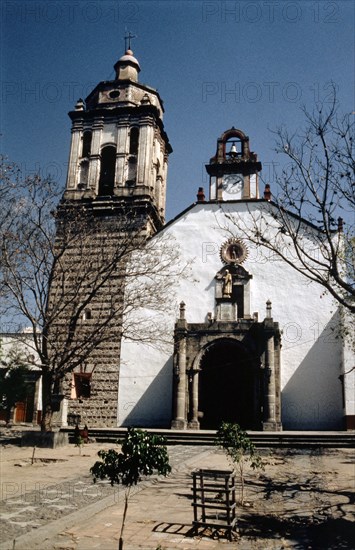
{"points": [[127, 67]]}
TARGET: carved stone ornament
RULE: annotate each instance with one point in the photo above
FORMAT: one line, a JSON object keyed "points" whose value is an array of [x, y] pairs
{"points": [[234, 251]]}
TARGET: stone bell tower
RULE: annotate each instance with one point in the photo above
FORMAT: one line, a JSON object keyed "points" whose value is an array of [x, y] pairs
{"points": [[119, 149], [117, 177]]}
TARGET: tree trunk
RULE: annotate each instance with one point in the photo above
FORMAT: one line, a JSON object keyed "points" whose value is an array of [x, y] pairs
{"points": [[241, 471], [126, 497], [47, 412], [9, 414]]}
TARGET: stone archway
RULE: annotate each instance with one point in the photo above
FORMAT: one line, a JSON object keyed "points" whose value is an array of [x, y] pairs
{"points": [[228, 386], [228, 371]]}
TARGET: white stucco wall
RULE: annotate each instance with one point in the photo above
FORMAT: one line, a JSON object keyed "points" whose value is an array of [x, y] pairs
{"points": [[349, 365], [22, 343], [145, 386], [311, 359]]}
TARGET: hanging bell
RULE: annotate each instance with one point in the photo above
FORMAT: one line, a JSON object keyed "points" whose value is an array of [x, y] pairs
{"points": [[233, 151]]}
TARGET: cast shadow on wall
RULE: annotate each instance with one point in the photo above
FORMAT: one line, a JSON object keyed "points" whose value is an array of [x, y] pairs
{"points": [[153, 409], [312, 399]]}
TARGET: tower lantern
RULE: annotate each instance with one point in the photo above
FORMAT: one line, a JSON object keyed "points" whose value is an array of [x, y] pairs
{"points": [[127, 67]]}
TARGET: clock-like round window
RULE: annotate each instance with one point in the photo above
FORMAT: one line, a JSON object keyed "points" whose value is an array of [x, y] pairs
{"points": [[114, 94], [234, 251]]}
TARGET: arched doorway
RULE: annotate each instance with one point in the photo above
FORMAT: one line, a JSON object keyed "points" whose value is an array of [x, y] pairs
{"points": [[228, 386]]}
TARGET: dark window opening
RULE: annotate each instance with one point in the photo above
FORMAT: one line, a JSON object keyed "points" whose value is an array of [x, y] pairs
{"points": [[86, 144], [87, 315], [107, 173], [134, 139], [114, 94], [82, 385]]}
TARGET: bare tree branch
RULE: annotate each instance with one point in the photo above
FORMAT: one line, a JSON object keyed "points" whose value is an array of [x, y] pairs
{"points": [[310, 224], [73, 276]]}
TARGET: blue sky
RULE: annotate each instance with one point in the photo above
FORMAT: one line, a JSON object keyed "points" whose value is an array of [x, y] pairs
{"points": [[216, 64]]}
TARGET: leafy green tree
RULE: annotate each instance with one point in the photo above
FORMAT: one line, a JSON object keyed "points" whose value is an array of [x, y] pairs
{"points": [[239, 450], [142, 454]]}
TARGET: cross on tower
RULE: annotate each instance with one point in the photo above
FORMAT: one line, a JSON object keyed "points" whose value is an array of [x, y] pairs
{"points": [[127, 39]]}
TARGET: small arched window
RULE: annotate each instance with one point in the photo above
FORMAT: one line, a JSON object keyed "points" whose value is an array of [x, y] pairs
{"points": [[107, 173], [87, 137], [134, 140]]}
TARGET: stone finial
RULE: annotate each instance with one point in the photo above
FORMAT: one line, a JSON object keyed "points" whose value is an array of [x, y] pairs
{"points": [[267, 193], [340, 225], [182, 310], [80, 105], [201, 195], [268, 310], [145, 100]]}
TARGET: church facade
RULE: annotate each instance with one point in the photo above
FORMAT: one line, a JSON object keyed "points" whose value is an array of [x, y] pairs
{"points": [[249, 340]]}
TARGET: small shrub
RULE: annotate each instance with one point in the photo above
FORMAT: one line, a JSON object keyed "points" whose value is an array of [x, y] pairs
{"points": [[239, 450], [142, 454]]}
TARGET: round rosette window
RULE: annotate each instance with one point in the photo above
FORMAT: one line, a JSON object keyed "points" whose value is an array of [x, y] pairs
{"points": [[234, 251]]}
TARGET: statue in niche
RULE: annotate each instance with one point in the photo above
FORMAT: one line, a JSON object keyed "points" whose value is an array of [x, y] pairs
{"points": [[227, 284]]}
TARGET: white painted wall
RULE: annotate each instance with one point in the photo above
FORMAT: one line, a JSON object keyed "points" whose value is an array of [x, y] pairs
{"points": [[311, 359], [349, 365], [145, 387], [22, 342]]}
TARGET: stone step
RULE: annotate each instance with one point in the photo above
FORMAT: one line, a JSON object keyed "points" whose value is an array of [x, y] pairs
{"points": [[287, 439]]}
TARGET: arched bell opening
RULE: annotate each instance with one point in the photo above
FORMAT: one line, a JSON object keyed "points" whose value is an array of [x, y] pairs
{"points": [[232, 145], [233, 148], [134, 141], [107, 172], [86, 144]]}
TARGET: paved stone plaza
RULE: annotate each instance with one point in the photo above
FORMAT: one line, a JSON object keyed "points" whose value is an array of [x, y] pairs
{"points": [[302, 499]]}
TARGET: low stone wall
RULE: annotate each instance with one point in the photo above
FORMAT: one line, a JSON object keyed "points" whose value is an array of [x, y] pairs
{"points": [[50, 440]]}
